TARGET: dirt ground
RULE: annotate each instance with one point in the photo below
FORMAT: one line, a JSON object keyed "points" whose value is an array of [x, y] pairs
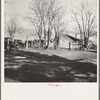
{"points": [[37, 65]]}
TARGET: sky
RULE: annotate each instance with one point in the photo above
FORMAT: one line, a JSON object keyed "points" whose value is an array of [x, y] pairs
{"points": [[19, 7]]}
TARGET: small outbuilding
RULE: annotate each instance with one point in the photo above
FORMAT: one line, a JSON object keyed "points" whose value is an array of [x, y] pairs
{"points": [[70, 42]]}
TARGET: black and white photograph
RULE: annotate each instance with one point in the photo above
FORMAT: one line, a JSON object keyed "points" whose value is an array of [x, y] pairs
{"points": [[50, 41]]}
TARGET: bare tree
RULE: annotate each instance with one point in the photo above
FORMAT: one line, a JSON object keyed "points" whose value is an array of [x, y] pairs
{"points": [[59, 27], [85, 19], [42, 14], [12, 26], [35, 16]]}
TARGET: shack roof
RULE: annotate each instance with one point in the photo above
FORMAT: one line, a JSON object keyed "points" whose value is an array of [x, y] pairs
{"points": [[70, 38]]}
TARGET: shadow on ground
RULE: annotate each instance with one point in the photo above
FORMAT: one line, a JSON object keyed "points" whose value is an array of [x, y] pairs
{"points": [[34, 67], [93, 51]]}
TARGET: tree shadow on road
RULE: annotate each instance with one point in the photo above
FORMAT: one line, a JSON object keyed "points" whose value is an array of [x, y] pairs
{"points": [[25, 66]]}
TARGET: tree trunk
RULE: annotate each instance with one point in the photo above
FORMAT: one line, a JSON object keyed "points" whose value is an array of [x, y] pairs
{"points": [[40, 43], [47, 45], [44, 45], [8, 46], [56, 43], [69, 46], [48, 39], [86, 42], [26, 44]]}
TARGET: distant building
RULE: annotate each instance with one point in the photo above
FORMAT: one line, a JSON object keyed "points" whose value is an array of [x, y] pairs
{"points": [[70, 42]]}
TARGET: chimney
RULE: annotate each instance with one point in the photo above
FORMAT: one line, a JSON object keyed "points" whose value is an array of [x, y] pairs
{"points": [[75, 35]]}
